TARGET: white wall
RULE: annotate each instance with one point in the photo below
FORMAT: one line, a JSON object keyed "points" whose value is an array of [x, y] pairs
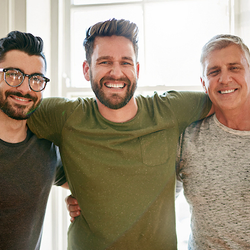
{"points": [[12, 16]]}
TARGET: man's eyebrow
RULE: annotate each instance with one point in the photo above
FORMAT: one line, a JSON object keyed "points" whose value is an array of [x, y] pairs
{"points": [[127, 58], [217, 67], [110, 57], [103, 58], [35, 73], [212, 68], [235, 63]]}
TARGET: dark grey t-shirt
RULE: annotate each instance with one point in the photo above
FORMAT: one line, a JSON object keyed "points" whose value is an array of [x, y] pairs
{"points": [[27, 171]]}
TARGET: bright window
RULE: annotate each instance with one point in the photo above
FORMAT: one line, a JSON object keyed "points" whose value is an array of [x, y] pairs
{"points": [[171, 36], [88, 2]]}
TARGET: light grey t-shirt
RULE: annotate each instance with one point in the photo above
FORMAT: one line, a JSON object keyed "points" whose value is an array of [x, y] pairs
{"points": [[215, 170]]}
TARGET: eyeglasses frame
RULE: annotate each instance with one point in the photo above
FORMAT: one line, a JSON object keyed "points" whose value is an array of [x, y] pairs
{"points": [[4, 70]]}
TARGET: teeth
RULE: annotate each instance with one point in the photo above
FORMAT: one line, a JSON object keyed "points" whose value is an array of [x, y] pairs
{"points": [[21, 99], [227, 91], [114, 85]]}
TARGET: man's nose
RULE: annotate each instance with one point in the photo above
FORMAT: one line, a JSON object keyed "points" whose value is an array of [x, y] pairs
{"points": [[116, 70], [225, 77], [24, 87]]}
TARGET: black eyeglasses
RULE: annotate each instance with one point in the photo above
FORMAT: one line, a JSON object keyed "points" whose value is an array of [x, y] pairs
{"points": [[15, 77]]}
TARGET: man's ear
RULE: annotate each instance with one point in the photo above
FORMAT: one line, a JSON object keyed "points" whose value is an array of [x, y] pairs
{"points": [[203, 85], [137, 70], [85, 68]]}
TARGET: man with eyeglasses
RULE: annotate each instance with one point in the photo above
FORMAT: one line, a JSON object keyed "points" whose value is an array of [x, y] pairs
{"points": [[28, 165]]}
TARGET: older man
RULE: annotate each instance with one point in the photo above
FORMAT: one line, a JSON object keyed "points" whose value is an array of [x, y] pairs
{"points": [[214, 159]]}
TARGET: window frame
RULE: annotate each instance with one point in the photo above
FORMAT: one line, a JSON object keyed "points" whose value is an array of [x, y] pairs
{"points": [[72, 92]]}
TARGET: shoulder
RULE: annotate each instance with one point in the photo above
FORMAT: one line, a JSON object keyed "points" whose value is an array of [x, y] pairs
{"points": [[200, 125], [173, 96], [199, 130], [59, 103]]}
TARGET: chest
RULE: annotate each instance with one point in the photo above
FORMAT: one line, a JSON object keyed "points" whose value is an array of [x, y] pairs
{"points": [[26, 172], [216, 166]]}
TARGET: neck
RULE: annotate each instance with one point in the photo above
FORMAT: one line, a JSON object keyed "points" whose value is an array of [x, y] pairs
{"points": [[121, 115], [235, 120], [12, 131]]}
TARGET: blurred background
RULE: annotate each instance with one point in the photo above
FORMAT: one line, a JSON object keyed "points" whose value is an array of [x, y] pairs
{"points": [[172, 33]]}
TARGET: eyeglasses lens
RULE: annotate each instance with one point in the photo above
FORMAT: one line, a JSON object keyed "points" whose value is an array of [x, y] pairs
{"points": [[37, 82], [13, 77]]}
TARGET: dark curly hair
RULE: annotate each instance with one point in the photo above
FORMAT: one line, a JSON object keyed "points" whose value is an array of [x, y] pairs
{"points": [[26, 42]]}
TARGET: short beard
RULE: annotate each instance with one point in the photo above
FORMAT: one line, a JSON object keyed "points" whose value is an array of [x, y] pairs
{"points": [[17, 111], [120, 102]]}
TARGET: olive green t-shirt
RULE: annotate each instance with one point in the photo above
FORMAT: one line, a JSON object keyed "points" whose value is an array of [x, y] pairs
{"points": [[122, 174]]}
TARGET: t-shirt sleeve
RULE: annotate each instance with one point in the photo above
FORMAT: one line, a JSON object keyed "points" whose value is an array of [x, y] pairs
{"points": [[189, 107], [60, 177], [178, 184], [49, 119], [178, 159]]}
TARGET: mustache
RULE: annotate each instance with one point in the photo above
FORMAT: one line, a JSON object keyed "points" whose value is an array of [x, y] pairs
{"points": [[9, 93], [122, 79]]}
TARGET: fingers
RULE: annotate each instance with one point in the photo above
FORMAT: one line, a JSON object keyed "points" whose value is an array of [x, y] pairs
{"points": [[70, 200], [74, 214], [73, 207], [74, 211]]}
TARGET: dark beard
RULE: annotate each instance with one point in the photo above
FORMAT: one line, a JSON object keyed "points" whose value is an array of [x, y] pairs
{"points": [[120, 102], [17, 111]]}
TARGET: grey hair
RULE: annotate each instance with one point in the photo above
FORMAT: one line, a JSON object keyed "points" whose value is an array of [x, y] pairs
{"points": [[220, 42]]}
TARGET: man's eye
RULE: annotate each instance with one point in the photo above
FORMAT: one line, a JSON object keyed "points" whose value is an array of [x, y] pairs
{"points": [[104, 62], [13, 75], [36, 79], [235, 68], [213, 73], [126, 63]]}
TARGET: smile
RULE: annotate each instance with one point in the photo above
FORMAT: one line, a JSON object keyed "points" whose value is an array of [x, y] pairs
{"points": [[227, 91], [115, 85], [20, 99]]}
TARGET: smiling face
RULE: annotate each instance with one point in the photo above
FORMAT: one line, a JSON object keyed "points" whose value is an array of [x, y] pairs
{"points": [[113, 71], [19, 102], [227, 79]]}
